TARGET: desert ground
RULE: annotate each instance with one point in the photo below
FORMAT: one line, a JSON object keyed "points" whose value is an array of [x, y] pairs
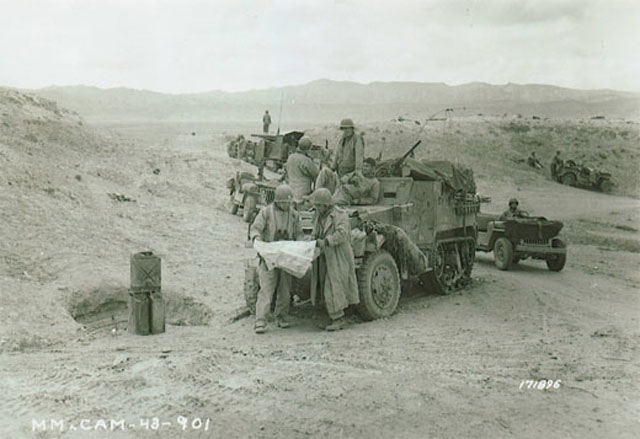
{"points": [[78, 198]]}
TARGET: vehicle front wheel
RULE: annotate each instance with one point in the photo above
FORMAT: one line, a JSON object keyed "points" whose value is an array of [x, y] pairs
{"points": [[568, 179], [378, 285], [556, 262], [503, 253], [606, 185]]}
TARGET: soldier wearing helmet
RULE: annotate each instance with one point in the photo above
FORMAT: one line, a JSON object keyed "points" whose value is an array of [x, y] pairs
{"points": [[278, 221], [333, 275], [301, 170], [512, 211], [350, 150]]}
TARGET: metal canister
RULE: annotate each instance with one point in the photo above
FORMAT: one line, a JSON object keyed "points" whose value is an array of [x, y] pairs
{"points": [[147, 311]]}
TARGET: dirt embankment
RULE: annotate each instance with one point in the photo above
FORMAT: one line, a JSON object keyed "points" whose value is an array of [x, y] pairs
{"points": [[81, 200]]}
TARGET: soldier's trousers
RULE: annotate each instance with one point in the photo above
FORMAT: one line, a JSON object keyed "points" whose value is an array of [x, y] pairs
{"points": [[272, 282]]}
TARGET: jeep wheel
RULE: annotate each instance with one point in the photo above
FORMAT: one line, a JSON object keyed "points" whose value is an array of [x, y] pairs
{"points": [[605, 185], [556, 262], [379, 286], [503, 253], [250, 207], [568, 179]]}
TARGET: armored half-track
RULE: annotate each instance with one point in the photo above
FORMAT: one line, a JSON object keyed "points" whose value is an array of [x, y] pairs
{"points": [[422, 226]]}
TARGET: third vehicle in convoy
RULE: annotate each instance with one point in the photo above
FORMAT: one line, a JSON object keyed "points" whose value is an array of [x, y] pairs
{"points": [[513, 238]]}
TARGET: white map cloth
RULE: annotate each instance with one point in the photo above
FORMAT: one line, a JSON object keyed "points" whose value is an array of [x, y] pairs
{"points": [[294, 257]]}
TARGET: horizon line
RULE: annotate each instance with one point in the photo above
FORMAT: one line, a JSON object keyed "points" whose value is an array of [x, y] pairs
{"points": [[217, 90]]}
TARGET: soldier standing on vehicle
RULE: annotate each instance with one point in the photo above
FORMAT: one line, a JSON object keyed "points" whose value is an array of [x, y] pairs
{"points": [[359, 189], [301, 171], [266, 121], [333, 272], [556, 165], [278, 221], [512, 211], [350, 150]]}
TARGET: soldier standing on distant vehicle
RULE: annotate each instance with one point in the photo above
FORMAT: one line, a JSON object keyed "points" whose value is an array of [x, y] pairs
{"points": [[512, 211], [359, 189], [278, 221], [333, 272], [266, 121], [556, 165], [350, 150], [300, 169]]}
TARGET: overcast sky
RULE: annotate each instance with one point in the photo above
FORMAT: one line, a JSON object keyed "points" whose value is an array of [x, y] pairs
{"points": [[197, 45]]}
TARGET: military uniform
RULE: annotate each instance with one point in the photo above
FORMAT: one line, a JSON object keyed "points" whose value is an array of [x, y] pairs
{"points": [[272, 224], [327, 179], [360, 190], [349, 155], [556, 166], [301, 174], [510, 214], [333, 274], [266, 121]]}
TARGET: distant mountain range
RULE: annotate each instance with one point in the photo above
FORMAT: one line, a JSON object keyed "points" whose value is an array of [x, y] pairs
{"points": [[327, 101]]}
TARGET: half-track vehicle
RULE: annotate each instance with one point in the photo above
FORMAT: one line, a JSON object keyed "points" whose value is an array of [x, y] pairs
{"points": [[574, 174], [514, 239], [249, 193], [423, 226]]}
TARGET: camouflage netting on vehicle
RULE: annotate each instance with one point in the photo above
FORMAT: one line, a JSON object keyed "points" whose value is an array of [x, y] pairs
{"points": [[401, 247], [532, 228], [457, 178]]}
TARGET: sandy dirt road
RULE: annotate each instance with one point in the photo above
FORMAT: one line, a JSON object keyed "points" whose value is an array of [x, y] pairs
{"points": [[442, 366]]}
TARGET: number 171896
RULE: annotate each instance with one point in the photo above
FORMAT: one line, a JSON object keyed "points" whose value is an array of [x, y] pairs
{"points": [[540, 385]]}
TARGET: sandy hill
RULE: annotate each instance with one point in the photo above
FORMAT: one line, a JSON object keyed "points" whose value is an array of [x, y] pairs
{"points": [[327, 101], [75, 202]]}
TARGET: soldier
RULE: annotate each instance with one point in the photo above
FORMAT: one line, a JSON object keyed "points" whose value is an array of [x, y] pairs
{"points": [[350, 150], [333, 272], [327, 179], [300, 169], [512, 211], [266, 121], [556, 165], [534, 162], [359, 190], [275, 222]]}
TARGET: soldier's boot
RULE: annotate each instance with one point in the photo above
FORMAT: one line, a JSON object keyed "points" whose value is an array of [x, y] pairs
{"points": [[337, 325], [283, 322], [260, 327]]}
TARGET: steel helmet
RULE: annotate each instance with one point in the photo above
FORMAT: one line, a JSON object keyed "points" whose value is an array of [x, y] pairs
{"points": [[304, 143], [283, 194], [346, 123], [321, 196], [512, 201]]}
